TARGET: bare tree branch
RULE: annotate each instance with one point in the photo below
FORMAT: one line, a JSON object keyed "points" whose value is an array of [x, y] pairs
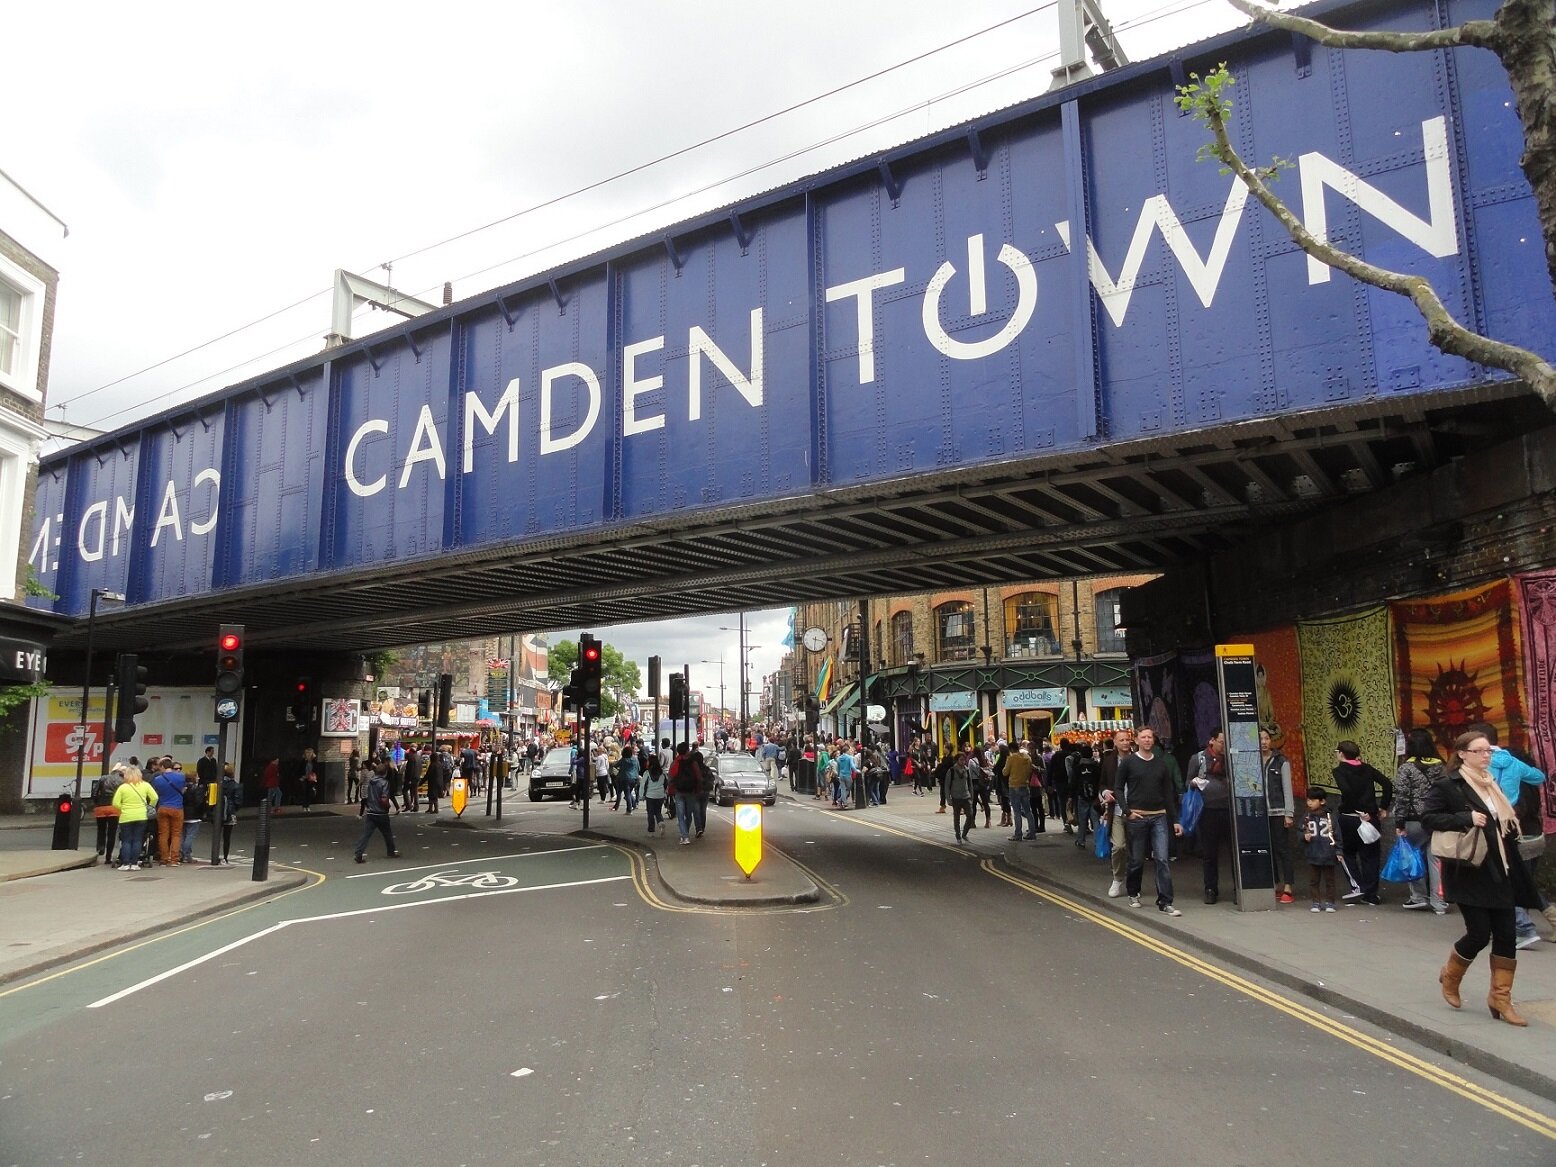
{"points": [[1480, 33], [1445, 332]]}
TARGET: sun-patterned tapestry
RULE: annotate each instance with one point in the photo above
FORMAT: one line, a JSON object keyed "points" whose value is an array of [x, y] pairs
{"points": [[1347, 689], [1456, 661], [1537, 606], [1278, 681]]}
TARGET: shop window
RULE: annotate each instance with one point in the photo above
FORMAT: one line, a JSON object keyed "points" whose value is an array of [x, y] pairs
{"points": [[1030, 620], [1109, 617], [901, 638], [957, 631]]}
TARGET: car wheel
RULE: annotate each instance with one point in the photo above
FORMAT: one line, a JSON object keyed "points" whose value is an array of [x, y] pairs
{"points": [[535, 796]]}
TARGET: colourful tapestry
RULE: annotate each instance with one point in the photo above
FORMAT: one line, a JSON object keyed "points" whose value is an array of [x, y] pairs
{"points": [[1156, 693], [1199, 707], [1347, 689], [1456, 661], [1537, 606], [1278, 680]]}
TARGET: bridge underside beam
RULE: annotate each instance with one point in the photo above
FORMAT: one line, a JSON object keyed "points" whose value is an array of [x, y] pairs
{"points": [[1122, 509]]}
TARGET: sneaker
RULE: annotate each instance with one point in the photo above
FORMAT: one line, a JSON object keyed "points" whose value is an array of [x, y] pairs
{"points": [[1317, 907], [1286, 897], [1134, 901], [1168, 910], [1329, 907], [133, 867], [1410, 905], [359, 858], [1115, 889], [1439, 911], [686, 842], [1528, 941], [1353, 894]]}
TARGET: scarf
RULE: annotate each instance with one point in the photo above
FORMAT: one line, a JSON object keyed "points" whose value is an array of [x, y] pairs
{"points": [[1491, 794]]}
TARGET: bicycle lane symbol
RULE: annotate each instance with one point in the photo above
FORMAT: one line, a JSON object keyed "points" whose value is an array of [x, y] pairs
{"points": [[434, 880]]}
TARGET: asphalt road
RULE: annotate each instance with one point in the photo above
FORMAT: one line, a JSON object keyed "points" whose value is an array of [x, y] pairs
{"points": [[513, 999]]}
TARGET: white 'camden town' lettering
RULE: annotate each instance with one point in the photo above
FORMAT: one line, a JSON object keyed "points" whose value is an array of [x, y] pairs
{"points": [[570, 397]]}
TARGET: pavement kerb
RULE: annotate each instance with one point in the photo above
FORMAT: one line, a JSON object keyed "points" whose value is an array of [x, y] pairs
{"points": [[57, 960], [1500, 1067], [50, 868], [809, 895]]}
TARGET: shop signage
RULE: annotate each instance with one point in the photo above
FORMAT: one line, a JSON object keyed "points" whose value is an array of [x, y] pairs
{"points": [[952, 702], [1050, 698], [21, 661], [1112, 697]]}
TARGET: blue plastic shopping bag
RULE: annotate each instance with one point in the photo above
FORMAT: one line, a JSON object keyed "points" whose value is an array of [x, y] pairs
{"points": [[1188, 813], [1404, 864]]}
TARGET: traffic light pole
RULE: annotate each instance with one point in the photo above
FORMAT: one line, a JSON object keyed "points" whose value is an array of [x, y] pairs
{"points": [[214, 795], [588, 764]]}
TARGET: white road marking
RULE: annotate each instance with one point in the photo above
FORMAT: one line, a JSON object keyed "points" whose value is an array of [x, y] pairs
{"points": [[226, 948], [482, 859]]}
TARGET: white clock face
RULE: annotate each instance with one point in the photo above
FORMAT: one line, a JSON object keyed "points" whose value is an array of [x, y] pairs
{"points": [[815, 639]]}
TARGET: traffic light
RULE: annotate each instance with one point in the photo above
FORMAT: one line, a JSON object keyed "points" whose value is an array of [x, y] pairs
{"points": [[302, 701], [229, 660], [677, 696], [424, 704], [572, 692], [132, 696], [64, 811], [445, 699], [591, 675], [653, 677]]}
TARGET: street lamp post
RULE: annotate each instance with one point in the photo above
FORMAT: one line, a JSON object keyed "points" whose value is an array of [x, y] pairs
{"points": [[86, 694], [720, 663]]}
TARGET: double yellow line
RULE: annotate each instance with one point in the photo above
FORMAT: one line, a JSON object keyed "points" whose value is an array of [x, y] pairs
{"points": [[1541, 1124], [640, 880], [1532, 1119]]}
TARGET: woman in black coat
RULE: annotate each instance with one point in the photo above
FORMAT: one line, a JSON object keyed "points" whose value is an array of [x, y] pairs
{"points": [[1467, 798]]}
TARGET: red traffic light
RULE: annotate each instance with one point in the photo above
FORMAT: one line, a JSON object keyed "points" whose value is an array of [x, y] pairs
{"points": [[230, 642], [302, 686], [592, 652], [65, 806]]}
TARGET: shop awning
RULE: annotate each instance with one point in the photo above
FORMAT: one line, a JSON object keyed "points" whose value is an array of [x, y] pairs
{"points": [[843, 702]]}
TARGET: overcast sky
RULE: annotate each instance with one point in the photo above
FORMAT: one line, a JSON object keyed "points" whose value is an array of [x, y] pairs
{"points": [[217, 163]]}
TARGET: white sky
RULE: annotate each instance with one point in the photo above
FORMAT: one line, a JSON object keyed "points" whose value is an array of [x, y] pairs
{"points": [[216, 163]]}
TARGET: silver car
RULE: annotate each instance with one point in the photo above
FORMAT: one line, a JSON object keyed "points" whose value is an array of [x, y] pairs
{"points": [[740, 777]]}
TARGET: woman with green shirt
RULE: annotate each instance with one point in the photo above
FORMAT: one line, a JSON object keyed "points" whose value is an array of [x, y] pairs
{"points": [[136, 802]]}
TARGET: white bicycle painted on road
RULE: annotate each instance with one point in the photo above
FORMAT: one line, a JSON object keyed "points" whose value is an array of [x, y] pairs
{"points": [[452, 878]]}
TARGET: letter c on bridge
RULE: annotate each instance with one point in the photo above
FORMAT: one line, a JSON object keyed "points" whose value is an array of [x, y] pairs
{"points": [[1026, 301], [375, 426]]}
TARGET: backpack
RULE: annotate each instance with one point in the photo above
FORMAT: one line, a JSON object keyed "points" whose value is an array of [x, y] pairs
{"points": [[197, 798], [1088, 773]]}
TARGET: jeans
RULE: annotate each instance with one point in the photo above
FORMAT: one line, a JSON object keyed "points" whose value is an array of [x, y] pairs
{"points": [[962, 808], [1155, 831], [1021, 810], [1430, 886], [701, 810], [1085, 820], [186, 847], [132, 836], [375, 822], [685, 814], [274, 795]]}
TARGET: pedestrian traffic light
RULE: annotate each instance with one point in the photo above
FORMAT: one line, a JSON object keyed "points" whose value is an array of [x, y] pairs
{"points": [[677, 696], [445, 699], [64, 811], [132, 696], [424, 704], [229, 660], [653, 677], [591, 675], [572, 692], [302, 701]]}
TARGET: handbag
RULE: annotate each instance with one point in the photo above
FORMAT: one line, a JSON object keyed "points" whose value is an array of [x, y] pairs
{"points": [[1466, 847]]}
